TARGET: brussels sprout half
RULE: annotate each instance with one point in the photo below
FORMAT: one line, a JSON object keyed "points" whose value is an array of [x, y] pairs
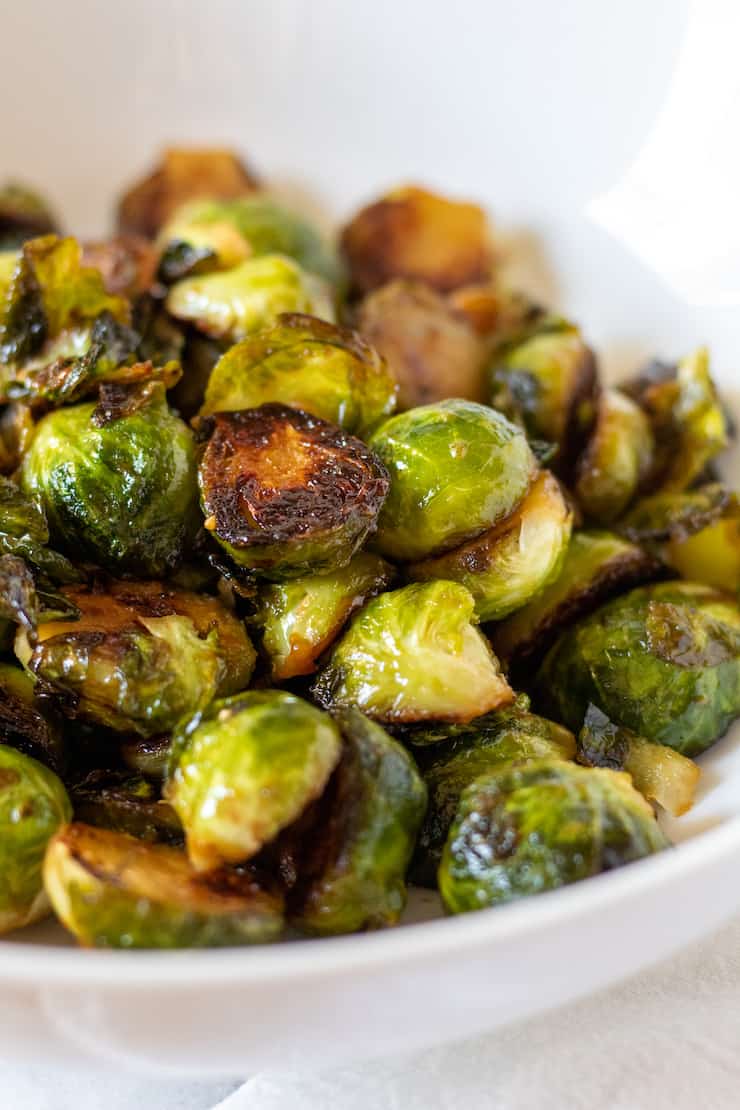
{"points": [[33, 804], [548, 382], [301, 618], [457, 469], [526, 829], [231, 304], [689, 425], [309, 364], [661, 774], [140, 656], [415, 655], [596, 566], [122, 494], [432, 349], [511, 563], [251, 226], [412, 233], [287, 494], [112, 890], [617, 459], [352, 871], [453, 757], [245, 769], [663, 660], [182, 175]]}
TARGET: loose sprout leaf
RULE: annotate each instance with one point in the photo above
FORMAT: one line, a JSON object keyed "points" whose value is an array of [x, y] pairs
{"points": [[525, 829], [19, 602], [126, 263], [663, 517], [180, 259], [126, 803]]}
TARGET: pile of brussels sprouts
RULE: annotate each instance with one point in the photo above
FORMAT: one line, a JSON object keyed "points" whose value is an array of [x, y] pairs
{"points": [[326, 569]]}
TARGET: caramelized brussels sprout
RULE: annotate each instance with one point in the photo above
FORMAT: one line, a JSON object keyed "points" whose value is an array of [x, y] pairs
{"points": [[23, 215], [234, 303], [114, 891], [689, 424], [433, 351], [661, 774], [596, 566], [245, 769], [617, 459], [51, 291], [511, 563], [122, 493], [33, 804], [127, 263], [415, 655], [412, 233], [527, 829], [232, 230], [182, 175], [453, 757], [352, 872], [288, 494], [663, 660], [548, 383], [301, 618], [140, 656], [147, 755], [456, 468], [26, 724], [309, 364], [126, 803]]}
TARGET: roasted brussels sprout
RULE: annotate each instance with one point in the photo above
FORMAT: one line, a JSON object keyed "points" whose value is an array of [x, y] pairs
{"points": [[697, 533], [531, 828], [415, 655], [126, 803], [497, 313], [511, 563], [412, 233], [114, 891], [182, 175], [455, 756], [689, 425], [247, 768], [23, 215], [456, 468], [300, 619], [122, 493], [33, 804], [25, 723], [661, 774], [127, 263], [309, 364], [596, 566], [288, 494], [548, 382], [663, 660], [140, 656], [50, 292], [352, 871], [232, 230], [617, 459], [433, 351], [234, 303]]}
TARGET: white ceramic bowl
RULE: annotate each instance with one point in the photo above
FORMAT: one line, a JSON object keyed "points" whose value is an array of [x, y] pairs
{"points": [[538, 111]]}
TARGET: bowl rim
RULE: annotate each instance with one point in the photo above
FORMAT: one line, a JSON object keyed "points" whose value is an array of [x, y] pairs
{"points": [[305, 960]]}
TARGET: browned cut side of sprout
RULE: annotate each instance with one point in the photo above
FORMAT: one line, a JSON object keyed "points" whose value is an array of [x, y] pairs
{"points": [[412, 233], [182, 175]]}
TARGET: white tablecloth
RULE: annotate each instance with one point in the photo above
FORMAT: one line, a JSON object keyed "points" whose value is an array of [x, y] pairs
{"points": [[669, 1040]]}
